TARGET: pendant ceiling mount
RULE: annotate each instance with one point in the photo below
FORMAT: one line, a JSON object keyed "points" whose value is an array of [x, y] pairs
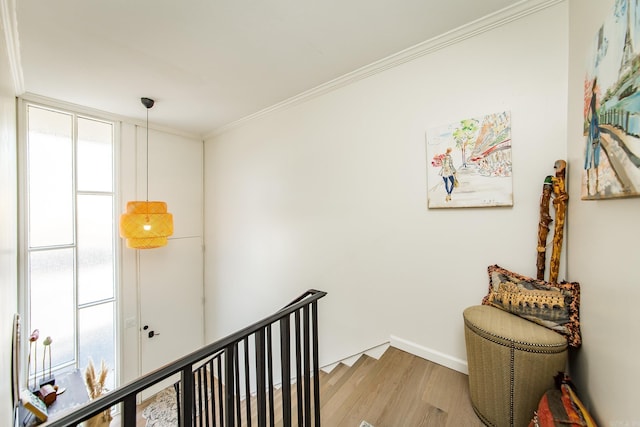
{"points": [[147, 102]]}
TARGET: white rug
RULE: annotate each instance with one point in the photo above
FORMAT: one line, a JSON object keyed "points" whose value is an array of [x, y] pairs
{"points": [[163, 411]]}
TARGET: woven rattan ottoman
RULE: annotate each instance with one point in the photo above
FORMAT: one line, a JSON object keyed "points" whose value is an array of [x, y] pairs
{"points": [[512, 362]]}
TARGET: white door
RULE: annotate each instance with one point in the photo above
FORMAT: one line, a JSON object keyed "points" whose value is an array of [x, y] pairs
{"points": [[171, 304]]}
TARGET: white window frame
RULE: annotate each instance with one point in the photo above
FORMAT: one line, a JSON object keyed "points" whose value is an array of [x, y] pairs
{"points": [[23, 244]]}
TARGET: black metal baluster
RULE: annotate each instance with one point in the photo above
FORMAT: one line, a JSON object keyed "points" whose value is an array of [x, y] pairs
{"points": [[129, 411], [270, 376], [260, 379], [247, 381], [299, 370], [285, 358], [228, 376], [307, 366], [237, 388], [316, 364], [186, 413]]}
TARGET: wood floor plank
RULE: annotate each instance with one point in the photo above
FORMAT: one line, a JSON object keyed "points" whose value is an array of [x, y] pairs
{"points": [[442, 387], [448, 390], [337, 372], [407, 398], [375, 392], [333, 398]]}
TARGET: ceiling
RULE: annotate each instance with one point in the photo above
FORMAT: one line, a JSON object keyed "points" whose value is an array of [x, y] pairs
{"points": [[208, 63]]}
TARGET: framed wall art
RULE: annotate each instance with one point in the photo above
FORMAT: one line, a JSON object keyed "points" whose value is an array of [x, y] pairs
{"points": [[469, 163], [612, 108]]}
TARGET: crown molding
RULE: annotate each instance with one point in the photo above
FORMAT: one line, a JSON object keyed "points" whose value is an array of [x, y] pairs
{"points": [[497, 19], [10, 25], [103, 115]]}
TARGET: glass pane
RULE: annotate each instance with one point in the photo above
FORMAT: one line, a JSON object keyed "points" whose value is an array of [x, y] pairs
{"points": [[97, 340], [95, 248], [95, 163], [51, 306], [50, 157]]}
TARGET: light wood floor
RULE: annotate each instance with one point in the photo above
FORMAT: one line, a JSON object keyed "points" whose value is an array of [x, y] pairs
{"points": [[397, 390]]}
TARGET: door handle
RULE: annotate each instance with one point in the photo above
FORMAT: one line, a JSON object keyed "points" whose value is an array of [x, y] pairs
{"points": [[150, 334]]}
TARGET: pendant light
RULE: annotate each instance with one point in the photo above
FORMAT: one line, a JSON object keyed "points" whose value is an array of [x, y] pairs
{"points": [[145, 224]]}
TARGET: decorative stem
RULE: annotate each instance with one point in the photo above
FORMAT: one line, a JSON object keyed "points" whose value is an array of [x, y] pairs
{"points": [[33, 338], [543, 226], [560, 204]]}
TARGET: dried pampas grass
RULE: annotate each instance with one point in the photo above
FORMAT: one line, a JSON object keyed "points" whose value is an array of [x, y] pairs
{"points": [[96, 387]]}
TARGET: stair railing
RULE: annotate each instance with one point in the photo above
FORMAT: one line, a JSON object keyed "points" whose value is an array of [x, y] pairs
{"points": [[221, 382]]}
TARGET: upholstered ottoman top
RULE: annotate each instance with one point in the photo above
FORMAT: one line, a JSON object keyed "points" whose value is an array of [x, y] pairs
{"points": [[509, 330]]}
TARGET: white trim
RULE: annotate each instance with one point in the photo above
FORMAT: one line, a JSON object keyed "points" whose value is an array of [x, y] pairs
{"points": [[378, 351], [117, 257], [502, 17], [375, 352], [430, 354], [23, 306], [10, 24], [82, 110]]}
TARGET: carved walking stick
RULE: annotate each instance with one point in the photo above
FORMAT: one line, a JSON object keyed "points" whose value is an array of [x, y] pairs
{"points": [[543, 226], [560, 204]]}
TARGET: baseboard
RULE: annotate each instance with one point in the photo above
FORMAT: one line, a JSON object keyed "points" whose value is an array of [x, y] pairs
{"points": [[430, 354], [410, 347], [374, 352]]}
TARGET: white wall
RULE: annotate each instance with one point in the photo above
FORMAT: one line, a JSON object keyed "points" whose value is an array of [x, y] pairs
{"points": [[331, 194], [8, 229], [603, 256], [176, 177]]}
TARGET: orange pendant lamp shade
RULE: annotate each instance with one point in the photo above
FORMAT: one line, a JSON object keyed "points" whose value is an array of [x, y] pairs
{"points": [[146, 225]]}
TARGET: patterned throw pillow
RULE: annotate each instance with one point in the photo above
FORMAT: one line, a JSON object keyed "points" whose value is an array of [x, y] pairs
{"points": [[553, 305]]}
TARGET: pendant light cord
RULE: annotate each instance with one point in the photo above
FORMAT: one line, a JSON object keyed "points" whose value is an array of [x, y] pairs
{"points": [[148, 103], [147, 159]]}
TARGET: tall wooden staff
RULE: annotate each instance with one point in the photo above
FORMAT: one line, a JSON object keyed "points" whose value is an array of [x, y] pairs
{"points": [[560, 205], [543, 226]]}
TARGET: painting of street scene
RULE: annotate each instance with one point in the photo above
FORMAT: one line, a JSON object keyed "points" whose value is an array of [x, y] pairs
{"points": [[612, 108], [469, 163]]}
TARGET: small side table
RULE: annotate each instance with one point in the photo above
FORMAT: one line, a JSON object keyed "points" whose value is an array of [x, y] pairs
{"points": [[75, 395]]}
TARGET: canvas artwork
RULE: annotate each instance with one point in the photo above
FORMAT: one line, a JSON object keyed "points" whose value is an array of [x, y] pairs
{"points": [[469, 163], [612, 108]]}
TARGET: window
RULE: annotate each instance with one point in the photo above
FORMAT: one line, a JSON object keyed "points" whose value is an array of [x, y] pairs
{"points": [[69, 290]]}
